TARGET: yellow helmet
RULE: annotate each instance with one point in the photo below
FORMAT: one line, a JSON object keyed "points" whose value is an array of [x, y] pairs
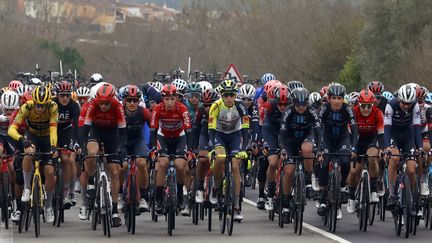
{"points": [[41, 95], [228, 86]]}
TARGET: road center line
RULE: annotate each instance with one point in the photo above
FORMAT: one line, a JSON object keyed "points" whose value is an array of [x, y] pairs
{"points": [[310, 227]]}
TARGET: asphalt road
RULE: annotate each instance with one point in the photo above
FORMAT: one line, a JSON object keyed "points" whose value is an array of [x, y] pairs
{"points": [[255, 227]]}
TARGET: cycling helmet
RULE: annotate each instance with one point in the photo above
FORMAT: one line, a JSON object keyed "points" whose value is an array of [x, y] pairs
{"points": [[314, 97], [429, 98], [300, 95], [247, 91], [228, 86], [270, 84], [94, 89], [14, 84], [41, 95], [209, 96], [324, 91], [22, 89], [96, 78], [407, 93], [366, 96], [106, 92], [83, 92], [353, 97], [387, 95], [336, 89], [205, 85], [4, 89], [193, 87], [10, 100], [294, 84], [64, 87], [132, 91], [180, 84], [169, 90], [376, 87], [281, 94], [35, 81], [267, 77], [157, 85], [421, 92], [272, 89]]}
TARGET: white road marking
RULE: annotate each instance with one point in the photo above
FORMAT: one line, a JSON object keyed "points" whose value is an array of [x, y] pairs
{"points": [[310, 227]]}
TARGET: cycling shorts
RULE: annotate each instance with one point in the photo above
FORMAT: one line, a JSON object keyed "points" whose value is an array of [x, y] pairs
{"points": [[231, 141], [172, 146]]}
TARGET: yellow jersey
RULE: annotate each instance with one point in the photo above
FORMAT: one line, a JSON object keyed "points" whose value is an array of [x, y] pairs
{"points": [[228, 119]]}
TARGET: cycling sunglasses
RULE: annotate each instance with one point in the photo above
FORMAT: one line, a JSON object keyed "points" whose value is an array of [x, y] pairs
{"points": [[366, 106], [406, 104], [132, 100], [247, 99], [226, 95], [207, 105], [64, 95]]}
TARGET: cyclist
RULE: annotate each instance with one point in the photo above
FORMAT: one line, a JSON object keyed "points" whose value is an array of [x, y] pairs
{"points": [[208, 96], [264, 79], [315, 101], [8, 146], [105, 123], [83, 94], [170, 126], [370, 122], [95, 78], [300, 130], [337, 120], [426, 129], [228, 127], [41, 116], [402, 131], [377, 89], [136, 117], [271, 117], [67, 131]]}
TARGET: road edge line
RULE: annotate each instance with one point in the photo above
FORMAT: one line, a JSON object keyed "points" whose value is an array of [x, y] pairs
{"points": [[310, 227]]}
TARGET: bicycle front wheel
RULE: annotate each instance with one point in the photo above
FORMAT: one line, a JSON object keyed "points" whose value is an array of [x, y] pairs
{"points": [[230, 203], [36, 206], [299, 203]]}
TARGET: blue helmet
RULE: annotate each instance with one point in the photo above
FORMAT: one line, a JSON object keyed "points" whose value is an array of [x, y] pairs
{"points": [[267, 77], [429, 98], [387, 95]]}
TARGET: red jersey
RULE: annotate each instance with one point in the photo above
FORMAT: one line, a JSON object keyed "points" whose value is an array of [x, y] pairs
{"points": [[170, 123], [369, 126], [110, 119], [83, 113]]}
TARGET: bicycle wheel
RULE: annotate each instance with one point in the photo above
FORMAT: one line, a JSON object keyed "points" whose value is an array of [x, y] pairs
{"points": [[372, 212], [333, 205], [229, 201], [382, 206], [58, 198], [170, 214], [36, 206], [209, 217], [5, 200], [23, 217], [280, 199], [416, 199], [133, 204], [406, 206], [107, 214], [364, 203], [299, 203], [397, 220]]}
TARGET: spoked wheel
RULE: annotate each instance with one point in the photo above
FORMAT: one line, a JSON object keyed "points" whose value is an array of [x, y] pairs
{"points": [[223, 211], [6, 200], [299, 203], [382, 206], [333, 205], [133, 204], [171, 217], [106, 216], [280, 200], [58, 200], [332, 218], [407, 220], [229, 202], [36, 207], [364, 203], [95, 218], [397, 220]]}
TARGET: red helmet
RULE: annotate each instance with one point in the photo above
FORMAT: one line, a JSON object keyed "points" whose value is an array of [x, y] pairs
{"points": [[105, 92], [169, 90], [366, 96], [272, 89], [270, 84], [132, 91], [64, 87], [421, 92], [376, 87], [209, 96], [14, 84], [282, 94]]}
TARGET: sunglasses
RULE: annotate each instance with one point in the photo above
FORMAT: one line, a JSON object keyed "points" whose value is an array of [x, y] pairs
{"points": [[282, 104], [132, 100], [104, 103], [226, 95], [207, 105], [8, 110], [365, 106], [64, 95], [406, 104], [300, 104], [194, 95], [420, 101], [247, 99]]}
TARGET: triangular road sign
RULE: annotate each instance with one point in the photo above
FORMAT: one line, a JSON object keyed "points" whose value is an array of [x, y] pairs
{"points": [[233, 73]]}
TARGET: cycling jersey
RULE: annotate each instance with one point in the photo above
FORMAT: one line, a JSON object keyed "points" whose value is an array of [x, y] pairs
{"points": [[195, 114], [170, 123], [382, 104], [426, 120], [68, 114], [228, 119], [135, 123], [254, 122], [39, 124], [397, 122], [4, 124], [270, 118], [297, 127], [113, 118], [369, 127]]}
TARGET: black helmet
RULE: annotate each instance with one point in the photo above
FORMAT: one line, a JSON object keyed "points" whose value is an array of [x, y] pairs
{"points": [[336, 89], [300, 95], [294, 84]]}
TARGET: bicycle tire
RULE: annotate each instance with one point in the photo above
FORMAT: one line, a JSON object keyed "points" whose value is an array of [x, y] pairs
{"points": [[430, 214], [133, 196], [5, 201], [299, 203], [383, 206], [23, 216], [406, 205], [209, 218], [170, 214], [334, 185], [208, 203], [280, 200], [36, 206], [107, 214], [95, 218], [365, 204], [28, 219], [58, 198], [230, 196], [416, 198], [222, 218], [397, 220], [372, 212]]}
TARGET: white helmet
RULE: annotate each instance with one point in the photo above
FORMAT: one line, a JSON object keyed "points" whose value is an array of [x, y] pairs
{"points": [[22, 89], [96, 78], [83, 92], [407, 93], [205, 85], [35, 81], [157, 85], [180, 85], [10, 100], [247, 91], [353, 97], [314, 97], [94, 89]]}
